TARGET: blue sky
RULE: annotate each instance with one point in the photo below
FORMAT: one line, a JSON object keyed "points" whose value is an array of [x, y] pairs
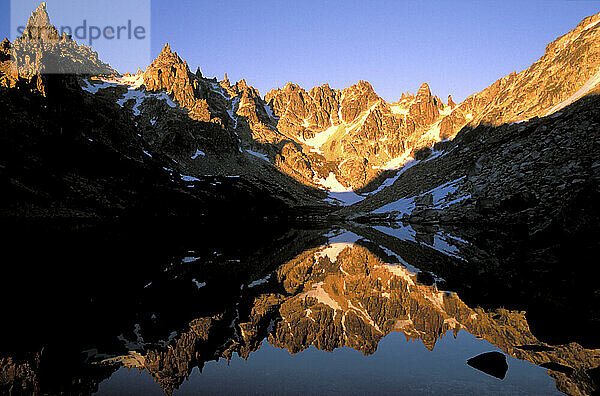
{"points": [[458, 47]]}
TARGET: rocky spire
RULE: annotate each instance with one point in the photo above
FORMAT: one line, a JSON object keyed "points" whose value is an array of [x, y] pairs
{"points": [[424, 93], [425, 108], [39, 17], [439, 103], [403, 96], [170, 73], [5, 50], [451, 102], [226, 81], [39, 26], [198, 73]]}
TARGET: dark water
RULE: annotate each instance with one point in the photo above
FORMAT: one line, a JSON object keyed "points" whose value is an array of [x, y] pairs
{"points": [[233, 309]]}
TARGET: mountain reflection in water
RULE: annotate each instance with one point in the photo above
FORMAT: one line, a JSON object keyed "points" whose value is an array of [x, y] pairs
{"points": [[380, 291]]}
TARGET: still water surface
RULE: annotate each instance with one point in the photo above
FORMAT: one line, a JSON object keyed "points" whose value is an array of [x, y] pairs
{"points": [[364, 310]]}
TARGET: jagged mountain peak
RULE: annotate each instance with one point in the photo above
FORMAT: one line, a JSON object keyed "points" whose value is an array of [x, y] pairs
{"points": [[39, 17], [451, 102], [41, 51], [361, 86], [291, 87], [242, 84], [424, 92], [39, 26], [167, 53]]}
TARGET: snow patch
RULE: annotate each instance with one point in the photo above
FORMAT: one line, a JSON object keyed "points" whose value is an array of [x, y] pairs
{"points": [[198, 153], [591, 25], [135, 82], [139, 98], [333, 250], [189, 178], [198, 284], [403, 205], [344, 198], [234, 103], [400, 272], [260, 281], [94, 88], [388, 182], [259, 155], [270, 112], [322, 296], [320, 138], [332, 184], [396, 163], [440, 193], [399, 109], [216, 88]]}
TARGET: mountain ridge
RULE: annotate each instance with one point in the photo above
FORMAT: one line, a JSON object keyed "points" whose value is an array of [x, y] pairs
{"points": [[348, 141], [363, 157]]}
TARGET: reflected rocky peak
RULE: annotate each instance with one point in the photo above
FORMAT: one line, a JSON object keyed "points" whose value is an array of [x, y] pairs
{"points": [[294, 289], [346, 293]]}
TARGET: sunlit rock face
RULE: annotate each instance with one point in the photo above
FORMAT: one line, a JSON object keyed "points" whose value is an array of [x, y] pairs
{"points": [[354, 134], [349, 297], [347, 139], [567, 70], [333, 139]]}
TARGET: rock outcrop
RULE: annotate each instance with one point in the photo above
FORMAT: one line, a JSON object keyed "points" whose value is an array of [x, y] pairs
{"points": [[358, 135], [424, 109], [168, 72], [355, 132], [41, 51]]}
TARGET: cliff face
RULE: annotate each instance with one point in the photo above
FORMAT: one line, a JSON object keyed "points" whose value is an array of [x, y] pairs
{"points": [[566, 72], [338, 140], [353, 131], [530, 173], [347, 139], [356, 135]]}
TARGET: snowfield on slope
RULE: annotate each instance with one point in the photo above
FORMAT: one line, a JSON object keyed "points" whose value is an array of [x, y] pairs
{"points": [[133, 84], [440, 195]]}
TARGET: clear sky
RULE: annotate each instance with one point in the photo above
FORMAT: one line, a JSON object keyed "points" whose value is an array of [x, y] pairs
{"points": [[458, 47]]}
